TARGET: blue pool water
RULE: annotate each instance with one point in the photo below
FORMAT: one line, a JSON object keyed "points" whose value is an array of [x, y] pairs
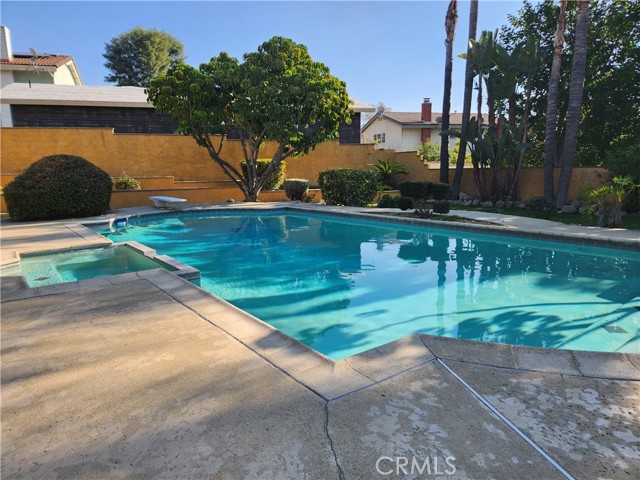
{"points": [[343, 286], [71, 266]]}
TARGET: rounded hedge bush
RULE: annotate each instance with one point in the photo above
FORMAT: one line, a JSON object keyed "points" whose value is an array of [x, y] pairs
{"points": [[405, 203], [275, 179], [59, 186], [348, 186], [541, 207], [441, 206], [296, 188]]}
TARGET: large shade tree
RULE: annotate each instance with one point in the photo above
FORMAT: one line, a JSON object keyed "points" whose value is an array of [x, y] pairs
{"points": [[611, 100], [136, 56], [277, 94]]}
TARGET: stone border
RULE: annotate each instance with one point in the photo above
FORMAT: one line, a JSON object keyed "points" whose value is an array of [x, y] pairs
{"points": [[17, 288]]}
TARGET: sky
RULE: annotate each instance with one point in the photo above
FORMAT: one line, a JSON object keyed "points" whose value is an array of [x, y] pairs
{"points": [[389, 52]]}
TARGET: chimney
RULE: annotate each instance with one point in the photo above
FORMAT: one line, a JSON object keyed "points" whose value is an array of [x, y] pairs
{"points": [[5, 40], [425, 114]]}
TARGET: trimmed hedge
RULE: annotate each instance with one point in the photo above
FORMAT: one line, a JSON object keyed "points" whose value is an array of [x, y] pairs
{"points": [[440, 191], [348, 186], [275, 179], [423, 190], [59, 186], [296, 188], [415, 190], [389, 201]]}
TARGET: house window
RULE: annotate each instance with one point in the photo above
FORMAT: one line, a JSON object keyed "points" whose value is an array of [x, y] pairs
{"points": [[378, 138]]}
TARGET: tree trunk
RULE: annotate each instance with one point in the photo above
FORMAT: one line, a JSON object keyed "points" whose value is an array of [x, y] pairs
{"points": [[478, 165], [466, 109], [450, 23], [576, 89], [552, 104]]}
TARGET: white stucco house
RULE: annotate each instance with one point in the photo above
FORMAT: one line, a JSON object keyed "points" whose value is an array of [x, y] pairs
{"points": [[405, 131]]}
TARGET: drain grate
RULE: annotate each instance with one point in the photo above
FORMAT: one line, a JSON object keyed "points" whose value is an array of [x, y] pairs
{"points": [[615, 329]]}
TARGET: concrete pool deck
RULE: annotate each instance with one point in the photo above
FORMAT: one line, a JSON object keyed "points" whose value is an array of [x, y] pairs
{"points": [[147, 376]]}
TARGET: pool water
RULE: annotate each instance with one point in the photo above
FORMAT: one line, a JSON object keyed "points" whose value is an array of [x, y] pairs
{"points": [[343, 286], [71, 266]]}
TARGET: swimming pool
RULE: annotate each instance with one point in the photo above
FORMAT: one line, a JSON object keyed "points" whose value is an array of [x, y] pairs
{"points": [[343, 285], [70, 266]]}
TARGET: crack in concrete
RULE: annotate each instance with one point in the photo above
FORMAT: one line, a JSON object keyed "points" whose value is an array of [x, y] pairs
{"points": [[341, 475]]}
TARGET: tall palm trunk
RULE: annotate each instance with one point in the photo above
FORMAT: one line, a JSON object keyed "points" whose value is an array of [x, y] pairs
{"points": [[451, 20], [466, 108], [576, 90], [552, 104]]}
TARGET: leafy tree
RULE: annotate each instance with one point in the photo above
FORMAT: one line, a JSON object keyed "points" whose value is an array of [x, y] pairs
{"points": [[611, 101], [277, 94], [136, 56], [451, 20], [500, 143]]}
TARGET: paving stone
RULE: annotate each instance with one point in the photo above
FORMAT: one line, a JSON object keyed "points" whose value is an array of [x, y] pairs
{"points": [[590, 426], [427, 415]]}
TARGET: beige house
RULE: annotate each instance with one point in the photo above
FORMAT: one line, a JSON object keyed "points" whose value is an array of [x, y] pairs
{"points": [[32, 68], [405, 131]]}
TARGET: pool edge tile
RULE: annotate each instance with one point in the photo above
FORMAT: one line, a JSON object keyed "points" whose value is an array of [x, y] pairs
{"points": [[391, 358]]}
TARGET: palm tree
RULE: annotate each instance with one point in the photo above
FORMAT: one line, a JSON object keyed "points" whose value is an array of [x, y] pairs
{"points": [[552, 104], [387, 170], [466, 108], [574, 111], [450, 22]]}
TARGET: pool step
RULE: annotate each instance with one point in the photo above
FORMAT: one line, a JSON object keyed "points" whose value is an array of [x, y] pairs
{"points": [[618, 331]]}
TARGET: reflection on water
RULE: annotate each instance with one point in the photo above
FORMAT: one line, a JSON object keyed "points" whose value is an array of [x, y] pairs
{"points": [[345, 286]]}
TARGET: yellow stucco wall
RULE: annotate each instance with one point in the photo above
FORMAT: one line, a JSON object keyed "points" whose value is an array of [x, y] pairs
{"points": [[164, 163]]}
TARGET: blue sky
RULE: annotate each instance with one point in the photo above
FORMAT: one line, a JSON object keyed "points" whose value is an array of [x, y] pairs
{"points": [[390, 52]]}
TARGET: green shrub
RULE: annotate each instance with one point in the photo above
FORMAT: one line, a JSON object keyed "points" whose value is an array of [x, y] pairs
{"points": [[623, 159], [296, 188], [389, 201], [429, 151], [440, 191], [59, 186], [541, 207], [125, 182], [348, 186], [275, 179], [415, 190], [405, 203], [441, 206]]}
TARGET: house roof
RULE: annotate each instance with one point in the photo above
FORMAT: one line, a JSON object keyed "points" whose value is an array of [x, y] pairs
{"points": [[359, 106], [74, 95], [41, 61], [412, 119], [83, 95]]}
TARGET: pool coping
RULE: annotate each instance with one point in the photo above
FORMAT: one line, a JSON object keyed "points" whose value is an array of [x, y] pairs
{"points": [[332, 379]]}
